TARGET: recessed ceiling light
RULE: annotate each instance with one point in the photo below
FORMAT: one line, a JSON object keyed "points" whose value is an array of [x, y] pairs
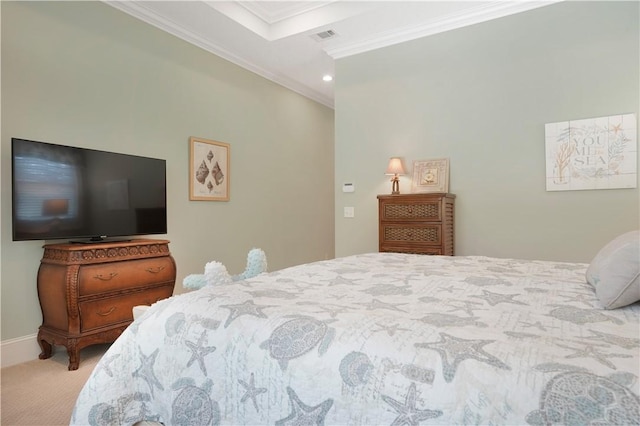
{"points": [[327, 77]]}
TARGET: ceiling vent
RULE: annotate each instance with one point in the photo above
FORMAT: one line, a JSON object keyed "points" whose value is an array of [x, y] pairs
{"points": [[324, 35]]}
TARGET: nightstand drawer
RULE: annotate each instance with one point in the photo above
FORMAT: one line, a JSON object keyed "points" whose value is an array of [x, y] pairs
{"points": [[393, 211], [101, 278], [412, 249], [113, 310], [425, 234]]}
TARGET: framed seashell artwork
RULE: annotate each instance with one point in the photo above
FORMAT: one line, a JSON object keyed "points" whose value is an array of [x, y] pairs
{"points": [[430, 175], [209, 163]]}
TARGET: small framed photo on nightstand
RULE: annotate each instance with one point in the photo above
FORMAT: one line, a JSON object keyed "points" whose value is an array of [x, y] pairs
{"points": [[430, 175]]}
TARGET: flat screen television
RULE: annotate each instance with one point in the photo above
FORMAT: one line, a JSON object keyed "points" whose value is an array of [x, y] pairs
{"points": [[84, 195]]}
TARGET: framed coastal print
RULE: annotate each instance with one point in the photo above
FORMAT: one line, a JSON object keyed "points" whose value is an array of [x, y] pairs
{"points": [[209, 165], [430, 175], [592, 153]]}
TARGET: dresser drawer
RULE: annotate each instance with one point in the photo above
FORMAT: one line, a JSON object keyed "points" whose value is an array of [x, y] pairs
{"points": [[113, 310], [87, 291], [397, 211], [101, 278]]}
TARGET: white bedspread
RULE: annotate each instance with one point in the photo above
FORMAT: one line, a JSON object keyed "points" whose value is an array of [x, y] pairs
{"points": [[377, 339]]}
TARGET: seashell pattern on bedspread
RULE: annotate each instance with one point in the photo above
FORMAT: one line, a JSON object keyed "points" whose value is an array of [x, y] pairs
{"points": [[377, 339]]}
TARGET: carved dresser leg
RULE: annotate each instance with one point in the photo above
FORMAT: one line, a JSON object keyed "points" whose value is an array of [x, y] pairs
{"points": [[46, 348], [74, 355]]}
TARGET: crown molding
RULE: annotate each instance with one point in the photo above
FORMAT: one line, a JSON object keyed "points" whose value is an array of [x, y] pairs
{"points": [[139, 11], [482, 13], [286, 9]]}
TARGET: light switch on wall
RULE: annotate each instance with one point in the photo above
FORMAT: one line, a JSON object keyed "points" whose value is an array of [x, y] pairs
{"points": [[349, 212]]}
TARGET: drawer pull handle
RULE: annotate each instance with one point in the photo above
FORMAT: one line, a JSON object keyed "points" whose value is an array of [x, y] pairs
{"points": [[155, 270], [102, 278], [109, 312]]}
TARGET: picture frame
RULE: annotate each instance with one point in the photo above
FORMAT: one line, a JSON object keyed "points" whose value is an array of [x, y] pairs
{"points": [[592, 153], [430, 175], [209, 170]]}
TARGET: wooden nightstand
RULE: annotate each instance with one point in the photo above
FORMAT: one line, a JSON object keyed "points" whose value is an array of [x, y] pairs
{"points": [[416, 223]]}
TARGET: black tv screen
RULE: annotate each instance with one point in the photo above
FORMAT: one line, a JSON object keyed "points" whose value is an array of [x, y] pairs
{"points": [[65, 192]]}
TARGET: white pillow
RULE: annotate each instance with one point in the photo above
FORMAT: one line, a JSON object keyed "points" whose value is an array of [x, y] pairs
{"points": [[615, 271]]}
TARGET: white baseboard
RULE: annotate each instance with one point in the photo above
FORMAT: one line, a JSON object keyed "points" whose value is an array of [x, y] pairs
{"points": [[19, 350]]}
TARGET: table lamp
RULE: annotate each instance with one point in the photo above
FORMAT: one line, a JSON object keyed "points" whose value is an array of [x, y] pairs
{"points": [[395, 169]]}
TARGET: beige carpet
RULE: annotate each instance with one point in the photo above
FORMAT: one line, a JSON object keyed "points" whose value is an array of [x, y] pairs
{"points": [[43, 392]]}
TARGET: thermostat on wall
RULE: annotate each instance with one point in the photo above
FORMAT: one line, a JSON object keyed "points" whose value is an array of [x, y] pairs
{"points": [[348, 187]]}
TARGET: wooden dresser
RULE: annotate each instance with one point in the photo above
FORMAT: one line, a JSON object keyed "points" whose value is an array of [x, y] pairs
{"points": [[87, 291], [416, 223]]}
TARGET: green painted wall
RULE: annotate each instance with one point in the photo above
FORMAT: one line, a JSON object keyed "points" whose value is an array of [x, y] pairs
{"points": [[481, 96], [86, 74]]}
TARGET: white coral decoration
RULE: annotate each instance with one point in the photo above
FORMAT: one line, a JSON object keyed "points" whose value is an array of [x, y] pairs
{"points": [[216, 273], [256, 264], [194, 281]]}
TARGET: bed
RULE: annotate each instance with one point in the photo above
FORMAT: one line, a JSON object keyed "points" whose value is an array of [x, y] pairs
{"points": [[377, 339]]}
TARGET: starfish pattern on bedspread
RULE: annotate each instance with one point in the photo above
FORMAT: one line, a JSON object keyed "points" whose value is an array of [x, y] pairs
{"points": [[303, 414], [590, 351], [199, 351], [454, 350], [408, 414], [251, 391], [246, 308], [145, 371]]}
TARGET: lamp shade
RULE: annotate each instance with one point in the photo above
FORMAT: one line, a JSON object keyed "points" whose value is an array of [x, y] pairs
{"points": [[395, 167]]}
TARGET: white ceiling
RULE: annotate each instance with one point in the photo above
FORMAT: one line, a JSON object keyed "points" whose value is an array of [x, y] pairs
{"points": [[278, 39]]}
